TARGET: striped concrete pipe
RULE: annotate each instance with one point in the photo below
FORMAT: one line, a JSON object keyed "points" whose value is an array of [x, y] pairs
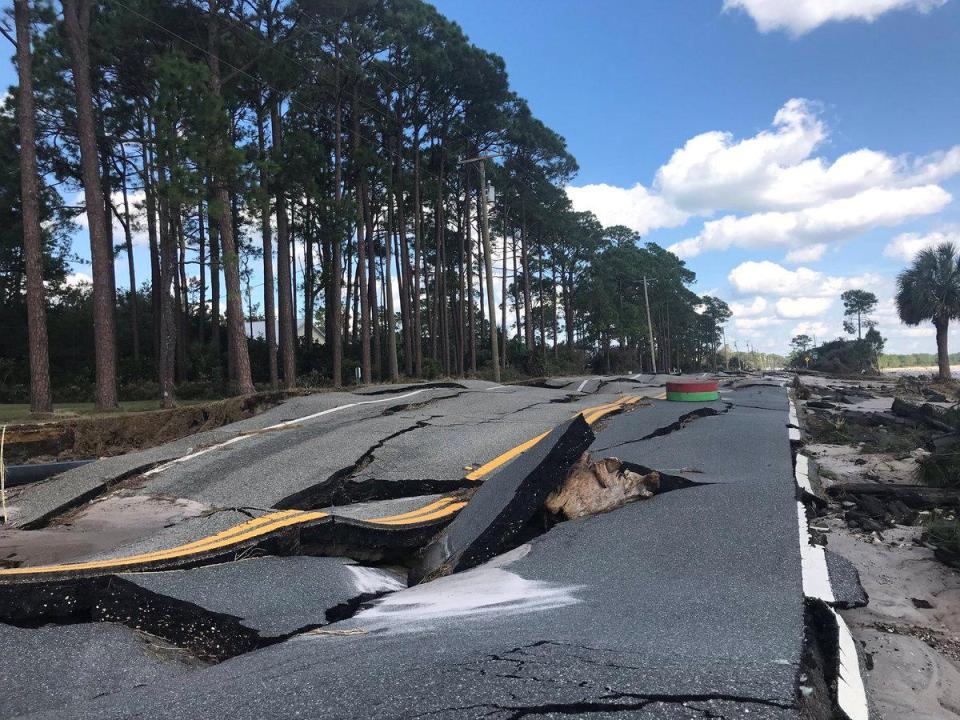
{"points": [[703, 391]]}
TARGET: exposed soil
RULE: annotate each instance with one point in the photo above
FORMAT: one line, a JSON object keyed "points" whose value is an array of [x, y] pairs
{"points": [[593, 487], [909, 633], [86, 437], [97, 527]]}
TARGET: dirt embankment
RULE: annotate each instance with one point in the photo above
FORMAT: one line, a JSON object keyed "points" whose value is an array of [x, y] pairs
{"points": [[82, 438]]}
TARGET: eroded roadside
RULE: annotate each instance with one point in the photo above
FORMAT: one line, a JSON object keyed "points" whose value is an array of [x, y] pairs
{"points": [[866, 439]]}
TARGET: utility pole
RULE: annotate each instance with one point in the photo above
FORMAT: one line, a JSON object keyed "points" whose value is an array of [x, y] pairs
{"points": [[646, 298], [726, 349], [487, 260]]}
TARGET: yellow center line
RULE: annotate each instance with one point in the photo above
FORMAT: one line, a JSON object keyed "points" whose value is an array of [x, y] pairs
{"points": [[204, 545], [591, 415], [442, 502], [436, 515]]}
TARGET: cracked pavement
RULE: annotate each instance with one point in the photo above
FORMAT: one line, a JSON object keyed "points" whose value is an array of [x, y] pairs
{"points": [[687, 605]]}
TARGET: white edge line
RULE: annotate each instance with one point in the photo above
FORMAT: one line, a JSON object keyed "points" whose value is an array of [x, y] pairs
{"points": [[583, 385], [278, 426], [802, 473], [813, 563], [851, 694]]}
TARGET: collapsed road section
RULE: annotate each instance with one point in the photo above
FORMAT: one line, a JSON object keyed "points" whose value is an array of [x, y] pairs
{"points": [[571, 583]]}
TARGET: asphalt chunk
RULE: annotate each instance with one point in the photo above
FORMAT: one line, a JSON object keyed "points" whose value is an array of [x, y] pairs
{"points": [[501, 509], [219, 611], [845, 582]]}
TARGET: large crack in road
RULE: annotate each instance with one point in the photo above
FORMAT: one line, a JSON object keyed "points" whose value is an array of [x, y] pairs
{"points": [[681, 423]]}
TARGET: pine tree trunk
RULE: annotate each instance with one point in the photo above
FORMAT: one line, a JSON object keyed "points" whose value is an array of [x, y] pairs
{"points": [[516, 290], [202, 261], [348, 300], [553, 297], [375, 350], [336, 274], [404, 277], [77, 22], [417, 238], [503, 292], [183, 341], [364, 298], [471, 307], [462, 291], [269, 303], [41, 400], [149, 191], [236, 337], [527, 309], [284, 289], [168, 259], [213, 231], [308, 277], [131, 270], [392, 366]]}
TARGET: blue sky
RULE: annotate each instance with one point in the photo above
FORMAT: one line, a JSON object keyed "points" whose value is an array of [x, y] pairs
{"points": [[788, 149], [629, 83]]}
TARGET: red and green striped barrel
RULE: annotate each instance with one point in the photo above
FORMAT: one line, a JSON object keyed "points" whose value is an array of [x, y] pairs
{"points": [[693, 391]]}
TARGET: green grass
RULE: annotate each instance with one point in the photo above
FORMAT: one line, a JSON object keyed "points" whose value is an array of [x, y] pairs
{"points": [[946, 534], [15, 413], [940, 469]]}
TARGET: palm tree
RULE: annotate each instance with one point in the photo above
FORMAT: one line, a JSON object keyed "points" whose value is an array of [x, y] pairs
{"points": [[930, 290]]}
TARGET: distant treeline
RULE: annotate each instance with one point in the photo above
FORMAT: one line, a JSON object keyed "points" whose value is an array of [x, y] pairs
{"points": [[915, 360]]}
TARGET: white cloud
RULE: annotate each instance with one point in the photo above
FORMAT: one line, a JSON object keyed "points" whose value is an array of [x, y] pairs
{"points": [[802, 16], [636, 207], [936, 166], [769, 278], [802, 307], [816, 329], [755, 323], [78, 279], [808, 254], [137, 202], [830, 221], [713, 171], [775, 169], [774, 191], [906, 245], [742, 310]]}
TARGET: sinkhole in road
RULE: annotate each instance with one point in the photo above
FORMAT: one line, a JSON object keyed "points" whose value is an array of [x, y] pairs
{"points": [[555, 480]]}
